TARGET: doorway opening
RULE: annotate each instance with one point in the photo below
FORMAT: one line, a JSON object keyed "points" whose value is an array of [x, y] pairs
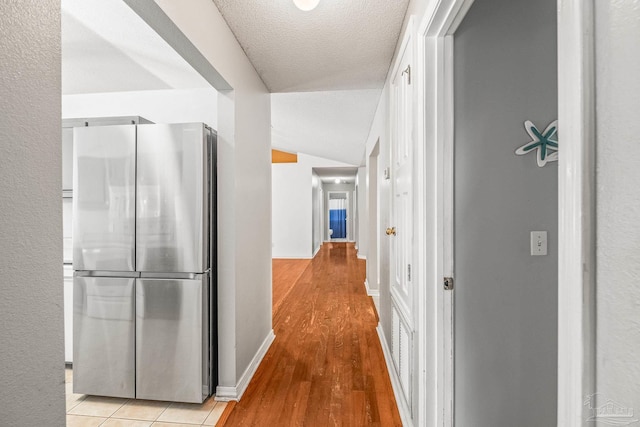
{"points": [[373, 255], [494, 193], [338, 213], [162, 87], [338, 200]]}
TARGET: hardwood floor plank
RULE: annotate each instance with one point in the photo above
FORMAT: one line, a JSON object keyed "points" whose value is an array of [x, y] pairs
{"points": [[301, 401], [285, 273], [325, 367], [225, 414]]}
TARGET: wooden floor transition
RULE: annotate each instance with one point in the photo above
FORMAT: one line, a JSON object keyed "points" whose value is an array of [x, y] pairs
{"points": [[326, 366]]}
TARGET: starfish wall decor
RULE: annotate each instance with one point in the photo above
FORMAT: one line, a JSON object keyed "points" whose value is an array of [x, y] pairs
{"points": [[543, 143]]}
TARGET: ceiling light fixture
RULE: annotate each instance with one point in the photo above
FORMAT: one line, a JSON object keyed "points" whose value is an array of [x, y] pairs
{"points": [[306, 5], [337, 181]]}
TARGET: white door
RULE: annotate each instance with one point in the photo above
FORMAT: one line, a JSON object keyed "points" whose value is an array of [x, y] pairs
{"points": [[400, 232]]}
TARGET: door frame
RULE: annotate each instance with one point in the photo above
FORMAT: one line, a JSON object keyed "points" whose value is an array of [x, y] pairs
{"points": [[372, 281], [576, 209], [435, 108], [327, 213]]}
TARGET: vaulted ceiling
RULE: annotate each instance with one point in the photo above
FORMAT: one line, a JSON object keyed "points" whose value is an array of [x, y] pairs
{"points": [[107, 47], [325, 67]]}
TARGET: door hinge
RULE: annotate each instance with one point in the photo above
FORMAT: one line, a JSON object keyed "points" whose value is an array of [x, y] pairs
{"points": [[407, 71], [448, 283], [409, 272]]}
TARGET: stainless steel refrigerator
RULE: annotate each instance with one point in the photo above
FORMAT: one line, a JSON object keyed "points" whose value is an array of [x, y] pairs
{"points": [[144, 261]]}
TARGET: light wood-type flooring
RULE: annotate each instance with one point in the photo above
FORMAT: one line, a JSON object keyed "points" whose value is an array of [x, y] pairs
{"points": [[326, 366]]}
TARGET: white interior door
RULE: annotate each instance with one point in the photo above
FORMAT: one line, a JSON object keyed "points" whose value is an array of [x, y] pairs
{"points": [[401, 146], [401, 230]]}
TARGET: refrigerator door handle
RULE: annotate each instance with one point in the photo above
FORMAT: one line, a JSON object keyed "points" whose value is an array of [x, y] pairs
{"points": [[98, 273], [181, 276]]}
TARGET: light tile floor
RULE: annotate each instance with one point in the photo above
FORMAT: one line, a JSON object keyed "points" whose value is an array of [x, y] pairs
{"points": [[89, 411]]}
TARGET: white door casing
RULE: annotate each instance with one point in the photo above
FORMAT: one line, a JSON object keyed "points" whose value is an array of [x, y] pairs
{"points": [[373, 255], [435, 205], [576, 210]]}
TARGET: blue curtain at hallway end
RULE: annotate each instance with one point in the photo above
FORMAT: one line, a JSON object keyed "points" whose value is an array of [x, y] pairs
{"points": [[338, 223]]}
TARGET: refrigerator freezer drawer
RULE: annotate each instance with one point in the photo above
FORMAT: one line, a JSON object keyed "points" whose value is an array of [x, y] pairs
{"points": [[103, 336], [172, 342]]}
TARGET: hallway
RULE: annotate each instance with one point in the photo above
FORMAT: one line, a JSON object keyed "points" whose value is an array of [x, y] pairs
{"points": [[326, 366]]}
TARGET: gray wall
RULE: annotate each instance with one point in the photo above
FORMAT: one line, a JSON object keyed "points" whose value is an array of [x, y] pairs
{"points": [[505, 299], [618, 203], [31, 336]]}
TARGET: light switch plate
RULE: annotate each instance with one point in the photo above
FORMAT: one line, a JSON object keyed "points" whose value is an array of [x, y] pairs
{"points": [[538, 243]]}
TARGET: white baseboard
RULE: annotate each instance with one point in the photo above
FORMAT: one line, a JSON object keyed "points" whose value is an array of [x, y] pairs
{"points": [[226, 394], [316, 251], [403, 406], [375, 293], [362, 256]]}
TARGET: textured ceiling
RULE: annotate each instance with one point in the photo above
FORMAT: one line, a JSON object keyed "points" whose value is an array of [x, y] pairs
{"points": [[339, 45]]}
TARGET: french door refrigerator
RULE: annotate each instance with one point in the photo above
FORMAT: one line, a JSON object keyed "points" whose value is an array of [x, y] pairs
{"points": [[143, 259]]}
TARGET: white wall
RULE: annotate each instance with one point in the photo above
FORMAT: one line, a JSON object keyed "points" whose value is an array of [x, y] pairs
{"points": [[316, 188], [378, 279], [617, 31], [31, 336], [372, 225], [362, 217], [159, 106], [244, 194], [293, 207], [291, 210]]}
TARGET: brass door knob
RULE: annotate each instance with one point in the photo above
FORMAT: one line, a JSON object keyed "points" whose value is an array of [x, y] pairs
{"points": [[391, 230]]}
